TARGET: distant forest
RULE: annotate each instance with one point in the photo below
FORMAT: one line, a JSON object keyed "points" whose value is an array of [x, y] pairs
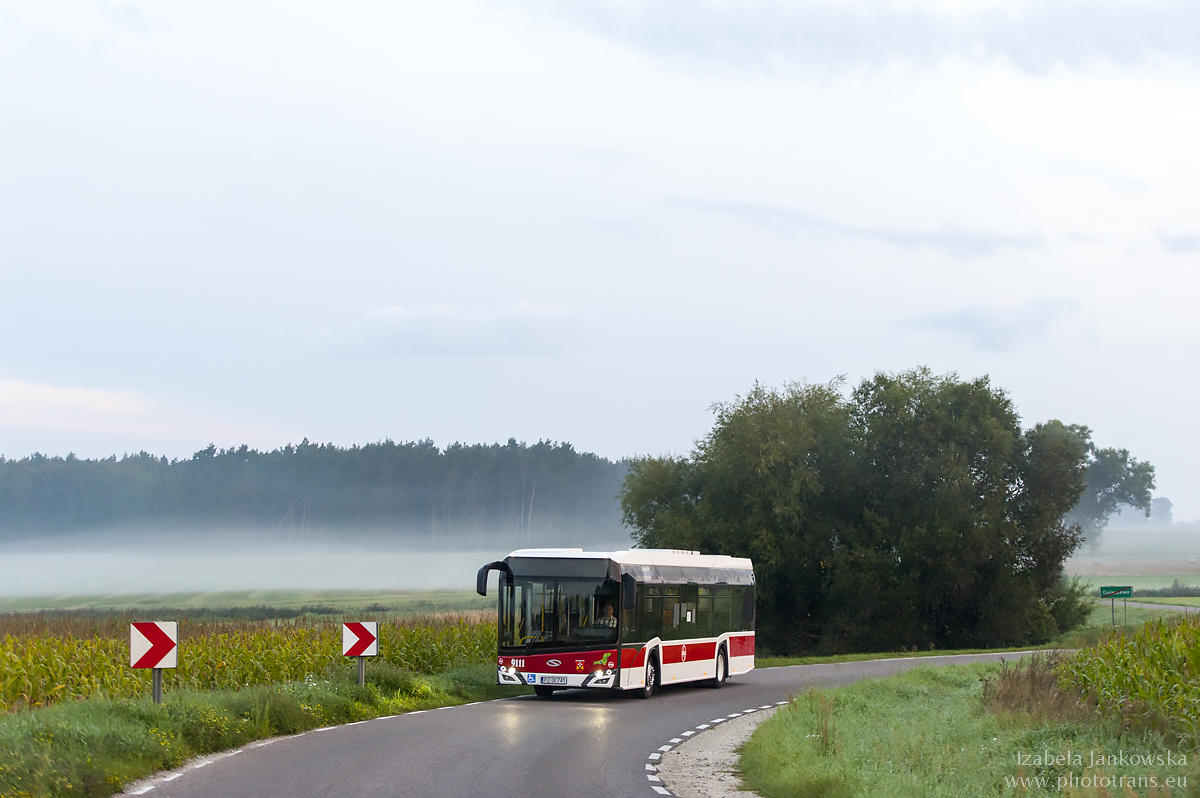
{"points": [[477, 495]]}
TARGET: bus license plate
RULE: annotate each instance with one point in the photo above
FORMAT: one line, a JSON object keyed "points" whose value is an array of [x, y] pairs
{"points": [[554, 680]]}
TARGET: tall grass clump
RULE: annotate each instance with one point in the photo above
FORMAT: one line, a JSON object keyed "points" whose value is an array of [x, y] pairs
{"points": [[1148, 678]]}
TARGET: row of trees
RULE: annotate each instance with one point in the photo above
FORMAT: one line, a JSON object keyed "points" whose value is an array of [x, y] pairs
{"points": [[495, 495], [914, 512]]}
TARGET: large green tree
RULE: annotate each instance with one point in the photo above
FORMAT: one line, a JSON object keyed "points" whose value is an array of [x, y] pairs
{"points": [[915, 512], [1113, 478]]}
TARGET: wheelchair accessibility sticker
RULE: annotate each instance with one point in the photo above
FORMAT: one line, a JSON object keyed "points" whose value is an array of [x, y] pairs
{"points": [[531, 678]]}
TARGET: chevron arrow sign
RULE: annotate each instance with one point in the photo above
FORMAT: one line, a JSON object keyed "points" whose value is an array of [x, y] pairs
{"points": [[360, 639], [152, 644]]}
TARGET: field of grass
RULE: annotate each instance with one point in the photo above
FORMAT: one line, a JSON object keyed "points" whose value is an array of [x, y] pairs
{"points": [[1097, 625], [931, 732], [422, 602], [1182, 601], [1117, 717]]}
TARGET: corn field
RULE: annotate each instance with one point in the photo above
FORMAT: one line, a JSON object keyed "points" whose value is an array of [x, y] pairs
{"points": [[58, 664], [1150, 678]]}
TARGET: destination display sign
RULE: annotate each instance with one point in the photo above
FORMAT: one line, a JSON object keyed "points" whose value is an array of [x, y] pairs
{"points": [[1116, 591]]}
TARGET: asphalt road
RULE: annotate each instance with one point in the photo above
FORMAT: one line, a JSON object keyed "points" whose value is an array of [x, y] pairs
{"points": [[580, 742]]}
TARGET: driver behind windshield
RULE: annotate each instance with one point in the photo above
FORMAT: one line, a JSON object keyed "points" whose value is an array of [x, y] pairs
{"points": [[607, 619]]}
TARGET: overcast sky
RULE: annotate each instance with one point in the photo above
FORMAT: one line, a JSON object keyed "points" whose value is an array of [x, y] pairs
{"points": [[588, 221]]}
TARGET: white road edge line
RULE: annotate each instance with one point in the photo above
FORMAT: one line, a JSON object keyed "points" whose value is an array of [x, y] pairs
{"points": [[172, 777], [657, 755], [143, 790]]}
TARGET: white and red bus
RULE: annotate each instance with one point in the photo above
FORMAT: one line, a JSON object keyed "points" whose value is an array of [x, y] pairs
{"points": [[622, 620]]}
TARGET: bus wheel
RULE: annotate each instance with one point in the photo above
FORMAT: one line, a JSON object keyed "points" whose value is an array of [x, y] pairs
{"points": [[652, 678], [544, 692], [722, 672]]}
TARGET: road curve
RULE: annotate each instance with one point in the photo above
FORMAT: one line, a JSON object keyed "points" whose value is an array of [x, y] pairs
{"points": [[580, 742]]}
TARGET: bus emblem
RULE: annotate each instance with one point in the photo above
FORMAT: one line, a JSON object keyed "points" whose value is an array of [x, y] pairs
{"points": [[553, 663], [683, 653]]}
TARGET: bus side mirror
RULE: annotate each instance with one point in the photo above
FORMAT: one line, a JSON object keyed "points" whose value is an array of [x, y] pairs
{"points": [[481, 577], [629, 588]]}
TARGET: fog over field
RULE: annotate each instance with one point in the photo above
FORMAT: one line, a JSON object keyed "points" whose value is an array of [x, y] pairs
{"points": [[1179, 539], [145, 562]]}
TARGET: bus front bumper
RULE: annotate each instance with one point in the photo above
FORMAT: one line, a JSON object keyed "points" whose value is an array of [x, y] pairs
{"points": [[512, 676]]}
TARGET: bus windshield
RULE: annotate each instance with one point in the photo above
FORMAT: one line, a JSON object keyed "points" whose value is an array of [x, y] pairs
{"points": [[539, 613]]}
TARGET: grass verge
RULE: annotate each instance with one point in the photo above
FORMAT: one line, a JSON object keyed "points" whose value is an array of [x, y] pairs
{"points": [[938, 732], [93, 747]]}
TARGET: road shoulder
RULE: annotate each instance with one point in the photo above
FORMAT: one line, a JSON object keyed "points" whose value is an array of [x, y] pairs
{"points": [[705, 765]]}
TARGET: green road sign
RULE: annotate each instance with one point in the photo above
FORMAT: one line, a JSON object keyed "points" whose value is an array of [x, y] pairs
{"points": [[1116, 591]]}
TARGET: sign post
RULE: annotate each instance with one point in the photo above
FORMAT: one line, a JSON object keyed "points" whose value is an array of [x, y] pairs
{"points": [[154, 644], [1114, 592], [360, 640]]}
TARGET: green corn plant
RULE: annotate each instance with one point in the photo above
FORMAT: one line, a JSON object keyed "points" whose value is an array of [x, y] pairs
{"points": [[38, 670], [1150, 677]]}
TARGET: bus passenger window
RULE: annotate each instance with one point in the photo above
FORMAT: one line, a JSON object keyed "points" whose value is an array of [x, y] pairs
{"points": [[723, 610], [704, 612], [651, 620]]}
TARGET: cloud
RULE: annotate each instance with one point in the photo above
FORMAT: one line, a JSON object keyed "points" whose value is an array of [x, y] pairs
{"points": [[1181, 244], [1000, 328], [769, 36], [24, 404], [953, 240], [447, 331], [124, 15], [50, 408]]}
